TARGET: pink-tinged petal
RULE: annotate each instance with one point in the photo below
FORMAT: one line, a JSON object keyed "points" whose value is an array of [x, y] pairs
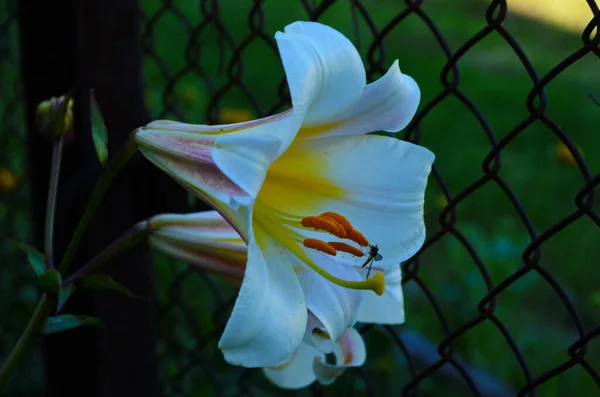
{"points": [[204, 239], [246, 127], [388, 308], [296, 372], [349, 352], [221, 265], [387, 104], [324, 71], [189, 161], [206, 227], [223, 165], [269, 317]]}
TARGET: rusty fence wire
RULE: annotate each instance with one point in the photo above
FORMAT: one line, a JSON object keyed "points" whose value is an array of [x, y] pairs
{"points": [[503, 297]]}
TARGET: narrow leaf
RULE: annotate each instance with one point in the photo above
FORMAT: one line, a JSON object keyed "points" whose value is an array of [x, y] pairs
{"points": [[104, 282], [99, 135], [36, 259], [50, 281], [63, 295], [69, 321]]}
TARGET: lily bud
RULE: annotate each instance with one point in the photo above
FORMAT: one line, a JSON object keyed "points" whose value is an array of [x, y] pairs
{"points": [[55, 117], [203, 239]]}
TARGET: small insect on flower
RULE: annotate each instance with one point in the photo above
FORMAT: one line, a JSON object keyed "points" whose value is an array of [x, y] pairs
{"points": [[373, 256]]}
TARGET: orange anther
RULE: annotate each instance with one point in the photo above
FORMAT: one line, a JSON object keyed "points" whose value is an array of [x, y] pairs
{"points": [[319, 246], [322, 223], [358, 238], [340, 219], [338, 245]]}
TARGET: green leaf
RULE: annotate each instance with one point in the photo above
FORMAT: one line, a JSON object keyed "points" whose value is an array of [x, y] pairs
{"points": [[103, 282], [63, 295], [99, 135], [50, 281], [35, 258], [68, 321]]}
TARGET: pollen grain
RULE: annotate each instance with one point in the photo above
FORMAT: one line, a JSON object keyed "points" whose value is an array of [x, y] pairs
{"points": [[319, 246]]}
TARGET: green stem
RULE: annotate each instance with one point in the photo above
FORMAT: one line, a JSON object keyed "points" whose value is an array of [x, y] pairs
{"points": [[126, 152], [133, 236], [51, 203], [32, 331]]}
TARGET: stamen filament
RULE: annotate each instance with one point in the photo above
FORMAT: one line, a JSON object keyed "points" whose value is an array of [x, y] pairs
{"points": [[375, 283]]}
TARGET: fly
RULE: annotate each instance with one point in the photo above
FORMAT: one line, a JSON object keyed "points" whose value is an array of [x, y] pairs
{"points": [[373, 256]]}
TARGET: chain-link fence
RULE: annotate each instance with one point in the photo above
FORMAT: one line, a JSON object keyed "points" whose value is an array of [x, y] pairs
{"points": [[503, 297]]}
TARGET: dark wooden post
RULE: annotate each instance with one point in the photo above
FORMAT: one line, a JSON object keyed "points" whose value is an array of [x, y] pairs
{"points": [[95, 44]]}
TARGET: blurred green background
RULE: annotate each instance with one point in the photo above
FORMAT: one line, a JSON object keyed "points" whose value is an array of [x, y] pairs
{"points": [[536, 166]]}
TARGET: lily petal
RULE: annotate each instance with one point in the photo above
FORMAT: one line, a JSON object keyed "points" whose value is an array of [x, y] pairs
{"points": [[297, 372], [317, 336], [269, 316], [189, 161], [335, 307], [350, 351], [388, 308], [378, 183], [324, 71], [387, 104], [221, 164], [172, 146]]}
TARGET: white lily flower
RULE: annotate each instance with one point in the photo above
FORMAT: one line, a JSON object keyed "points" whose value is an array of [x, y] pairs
{"points": [[207, 240], [274, 179]]}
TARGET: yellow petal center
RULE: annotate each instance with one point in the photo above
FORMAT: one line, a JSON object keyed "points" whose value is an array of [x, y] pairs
{"points": [[296, 184]]}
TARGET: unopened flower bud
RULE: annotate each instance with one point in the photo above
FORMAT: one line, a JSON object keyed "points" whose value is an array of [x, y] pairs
{"points": [[55, 117]]}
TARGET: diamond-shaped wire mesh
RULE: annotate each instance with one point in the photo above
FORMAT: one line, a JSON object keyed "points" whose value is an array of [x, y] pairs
{"points": [[503, 297]]}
